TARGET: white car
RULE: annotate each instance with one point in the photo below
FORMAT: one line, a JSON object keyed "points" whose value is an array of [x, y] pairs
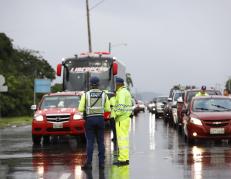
{"points": [[139, 106]]}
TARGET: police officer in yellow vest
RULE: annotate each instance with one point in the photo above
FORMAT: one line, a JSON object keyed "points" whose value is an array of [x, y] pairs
{"points": [[94, 102], [202, 92], [122, 111]]}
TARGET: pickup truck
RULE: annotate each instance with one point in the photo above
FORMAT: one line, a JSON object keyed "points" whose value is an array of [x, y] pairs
{"points": [[57, 114]]}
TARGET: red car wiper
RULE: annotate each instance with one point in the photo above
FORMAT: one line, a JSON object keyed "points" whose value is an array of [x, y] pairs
{"points": [[203, 109], [222, 107]]}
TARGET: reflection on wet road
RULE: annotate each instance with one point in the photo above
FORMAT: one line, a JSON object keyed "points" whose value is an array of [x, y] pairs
{"points": [[159, 151], [156, 151]]}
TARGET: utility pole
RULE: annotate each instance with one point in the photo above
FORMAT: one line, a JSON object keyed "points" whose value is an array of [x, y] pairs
{"points": [[109, 47], [88, 27]]}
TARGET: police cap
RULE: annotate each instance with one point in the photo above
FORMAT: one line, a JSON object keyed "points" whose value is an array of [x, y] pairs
{"points": [[119, 80], [94, 80], [203, 87]]}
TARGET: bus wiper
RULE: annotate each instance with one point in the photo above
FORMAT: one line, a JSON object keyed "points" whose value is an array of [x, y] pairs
{"points": [[222, 107], [67, 71], [87, 79], [203, 109], [110, 73]]}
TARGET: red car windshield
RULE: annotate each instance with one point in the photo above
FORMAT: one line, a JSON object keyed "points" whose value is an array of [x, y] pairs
{"points": [[212, 105], [191, 94], [60, 102]]}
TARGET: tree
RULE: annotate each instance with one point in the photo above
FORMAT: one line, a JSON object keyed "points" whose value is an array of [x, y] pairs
{"points": [[57, 88], [129, 80], [20, 67], [228, 84]]}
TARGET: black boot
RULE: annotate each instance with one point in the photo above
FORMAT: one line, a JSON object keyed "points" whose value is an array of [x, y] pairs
{"points": [[121, 163], [86, 167], [101, 166]]}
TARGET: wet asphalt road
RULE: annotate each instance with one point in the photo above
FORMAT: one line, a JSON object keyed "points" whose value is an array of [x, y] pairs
{"points": [[156, 151]]}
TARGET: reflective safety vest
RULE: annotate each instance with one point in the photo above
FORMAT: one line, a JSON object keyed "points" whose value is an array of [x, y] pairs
{"points": [[201, 94], [123, 105], [95, 101]]}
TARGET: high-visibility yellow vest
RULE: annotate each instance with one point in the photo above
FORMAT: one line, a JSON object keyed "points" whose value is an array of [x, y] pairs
{"points": [[201, 94], [95, 100], [89, 98], [123, 105]]}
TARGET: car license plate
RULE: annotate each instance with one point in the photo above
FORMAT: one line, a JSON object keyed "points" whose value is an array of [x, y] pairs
{"points": [[57, 125], [217, 131]]}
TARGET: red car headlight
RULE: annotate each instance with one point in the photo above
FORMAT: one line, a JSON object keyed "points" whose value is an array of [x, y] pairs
{"points": [[77, 117], [38, 117], [196, 121]]}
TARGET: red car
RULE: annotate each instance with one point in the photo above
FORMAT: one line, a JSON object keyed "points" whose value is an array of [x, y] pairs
{"points": [[57, 114], [208, 118], [182, 102]]}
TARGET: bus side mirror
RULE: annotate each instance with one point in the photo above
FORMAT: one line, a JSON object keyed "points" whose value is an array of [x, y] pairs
{"points": [[115, 68], [59, 69]]}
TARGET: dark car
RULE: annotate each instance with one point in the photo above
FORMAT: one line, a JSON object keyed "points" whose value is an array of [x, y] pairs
{"points": [[182, 103], [170, 110], [170, 114], [208, 117], [151, 106], [160, 103]]}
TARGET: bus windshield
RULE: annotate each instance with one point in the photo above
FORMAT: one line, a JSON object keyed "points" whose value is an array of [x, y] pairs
{"points": [[78, 72]]}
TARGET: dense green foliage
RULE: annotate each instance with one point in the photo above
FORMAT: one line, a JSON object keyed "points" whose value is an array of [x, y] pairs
{"points": [[57, 87], [20, 67], [228, 84]]}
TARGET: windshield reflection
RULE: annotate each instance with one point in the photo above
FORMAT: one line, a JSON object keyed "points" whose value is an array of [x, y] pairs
{"points": [[60, 102], [212, 105]]}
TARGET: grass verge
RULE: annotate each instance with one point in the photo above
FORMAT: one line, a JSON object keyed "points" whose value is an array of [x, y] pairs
{"points": [[15, 121]]}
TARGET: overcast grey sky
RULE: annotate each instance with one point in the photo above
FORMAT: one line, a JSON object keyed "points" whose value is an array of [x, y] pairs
{"points": [[169, 41]]}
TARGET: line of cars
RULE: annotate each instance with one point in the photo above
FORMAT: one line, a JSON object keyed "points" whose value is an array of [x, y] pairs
{"points": [[199, 117]]}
